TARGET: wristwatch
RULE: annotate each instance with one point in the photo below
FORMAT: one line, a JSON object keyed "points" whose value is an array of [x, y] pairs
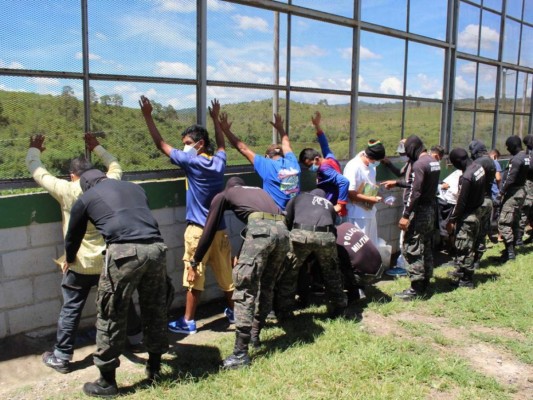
{"points": [[193, 264]]}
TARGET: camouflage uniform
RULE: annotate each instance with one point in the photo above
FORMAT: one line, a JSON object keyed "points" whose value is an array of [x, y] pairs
{"points": [[265, 246], [485, 213], [466, 239], [417, 243], [525, 214], [131, 266], [509, 221], [323, 246]]}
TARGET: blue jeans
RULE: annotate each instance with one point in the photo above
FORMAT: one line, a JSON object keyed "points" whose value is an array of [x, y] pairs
{"points": [[75, 289]]}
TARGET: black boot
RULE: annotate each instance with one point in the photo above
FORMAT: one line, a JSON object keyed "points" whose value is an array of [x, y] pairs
{"points": [[153, 367], [240, 357], [417, 289], [467, 281], [105, 386], [510, 252], [255, 334], [457, 273]]}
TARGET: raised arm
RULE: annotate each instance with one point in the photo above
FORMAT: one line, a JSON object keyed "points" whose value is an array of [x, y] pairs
{"points": [[146, 108], [214, 112], [114, 170], [234, 140], [285, 142]]}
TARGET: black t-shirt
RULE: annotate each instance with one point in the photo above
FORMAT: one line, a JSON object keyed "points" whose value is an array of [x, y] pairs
{"points": [[517, 172], [423, 182], [490, 172], [357, 247], [471, 191], [310, 209]]}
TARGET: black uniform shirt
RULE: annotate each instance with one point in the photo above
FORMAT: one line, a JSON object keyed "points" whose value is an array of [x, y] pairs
{"points": [[423, 182], [517, 172], [490, 172], [364, 256], [471, 192], [310, 209]]}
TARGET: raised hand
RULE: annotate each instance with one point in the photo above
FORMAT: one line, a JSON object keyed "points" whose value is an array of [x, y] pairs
{"points": [[90, 140], [146, 106], [37, 141], [278, 122], [214, 110], [224, 123], [316, 119]]}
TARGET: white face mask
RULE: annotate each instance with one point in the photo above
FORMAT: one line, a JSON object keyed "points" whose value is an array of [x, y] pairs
{"points": [[189, 149], [374, 164]]}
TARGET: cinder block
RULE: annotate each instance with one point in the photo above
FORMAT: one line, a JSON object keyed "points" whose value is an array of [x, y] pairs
{"points": [[164, 216], [29, 262], [45, 234], [47, 286], [16, 293], [43, 314], [13, 239], [3, 325]]}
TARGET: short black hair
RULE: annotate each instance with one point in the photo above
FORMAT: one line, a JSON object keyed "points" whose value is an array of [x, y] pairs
{"points": [[79, 165], [308, 154], [198, 132], [438, 149]]}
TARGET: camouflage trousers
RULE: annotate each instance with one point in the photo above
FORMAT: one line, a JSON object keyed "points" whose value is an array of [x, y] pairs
{"points": [[417, 243], [484, 213], [466, 239], [265, 246], [131, 266], [527, 208], [509, 221], [324, 247]]}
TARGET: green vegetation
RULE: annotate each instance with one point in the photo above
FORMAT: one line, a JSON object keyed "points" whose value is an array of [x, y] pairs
{"points": [[60, 119]]}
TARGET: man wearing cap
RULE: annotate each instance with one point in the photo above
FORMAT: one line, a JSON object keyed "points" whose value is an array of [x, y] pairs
{"points": [[279, 168], [418, 218], [513, 195], [311, 220], [464, 222], [135, 260], [328, 170], [363, 191], [266, 243]]}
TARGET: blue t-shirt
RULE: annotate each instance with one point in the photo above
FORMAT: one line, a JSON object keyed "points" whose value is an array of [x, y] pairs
{"points": [[281, 177], [205, 178], [495, 189]]}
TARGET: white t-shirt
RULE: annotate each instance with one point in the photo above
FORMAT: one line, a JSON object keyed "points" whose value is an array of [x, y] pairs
{"points": [[359, 174], [450, 195]]}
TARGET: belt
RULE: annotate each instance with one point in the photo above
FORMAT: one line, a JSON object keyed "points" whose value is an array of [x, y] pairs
{"points": [[264, 215], [140, 241], [194, 224], [313, 228]]}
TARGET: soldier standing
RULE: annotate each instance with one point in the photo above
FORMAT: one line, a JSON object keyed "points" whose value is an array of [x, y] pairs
{"points": [[466, 216], [266, 243], [512, 195], [527, 208], [418, 218]]}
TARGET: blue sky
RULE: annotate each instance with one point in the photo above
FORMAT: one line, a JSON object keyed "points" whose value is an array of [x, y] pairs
{"points": [[158, 38]]}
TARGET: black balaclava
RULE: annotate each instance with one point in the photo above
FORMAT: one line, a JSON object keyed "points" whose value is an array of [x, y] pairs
{"points": [[234, 181], [414, 147], [528, 141], [459, 158], [513, 144], [90, 178], [477, 149]]}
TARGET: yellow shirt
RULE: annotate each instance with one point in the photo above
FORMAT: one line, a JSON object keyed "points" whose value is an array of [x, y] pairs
{"points": [[89, 260]]}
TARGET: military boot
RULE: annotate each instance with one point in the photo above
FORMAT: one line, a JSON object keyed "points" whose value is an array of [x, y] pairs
{"points": [[416, 290], [105, 386], [467, 281], [255, 334], [153, 367], [240, 357]]}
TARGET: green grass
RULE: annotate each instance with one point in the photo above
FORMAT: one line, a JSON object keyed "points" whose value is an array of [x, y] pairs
{"points": [[416, 358]]}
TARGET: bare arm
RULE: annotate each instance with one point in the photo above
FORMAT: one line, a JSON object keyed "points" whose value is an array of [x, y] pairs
{"points": [[146, 108], [234, 140], [285, 142], [315, 120], [214, 112]]}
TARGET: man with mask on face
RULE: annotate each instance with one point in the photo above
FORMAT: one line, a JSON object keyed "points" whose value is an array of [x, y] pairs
{"points": [[205, 178], [329, 177], [465, 220], [363, 191], [418, 218], [266, 243], [480, 155], [513, 195], [526, 215]]}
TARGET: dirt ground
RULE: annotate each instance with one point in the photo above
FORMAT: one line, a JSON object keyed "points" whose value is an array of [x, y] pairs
{"points": [[24, 377]]}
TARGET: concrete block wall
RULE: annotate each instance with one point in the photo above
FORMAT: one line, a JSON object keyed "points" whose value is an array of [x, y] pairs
{"points": [[30, 282]]}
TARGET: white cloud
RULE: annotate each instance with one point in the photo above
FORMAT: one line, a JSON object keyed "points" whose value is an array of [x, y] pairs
{"points": [[424, 86], [366, 54], [92, 56], [391, 85], [174, 69], [307, 51], [363, 86], [100, 36], [250, 23], [182, 6], [462, 88], [468, 68], [11, 65], [469, 37]]}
